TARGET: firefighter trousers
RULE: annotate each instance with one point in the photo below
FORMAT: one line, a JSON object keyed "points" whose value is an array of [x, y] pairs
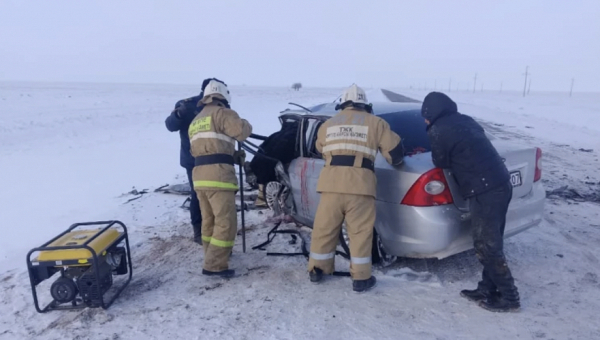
{"points": [[219, 227], [358, 211]]}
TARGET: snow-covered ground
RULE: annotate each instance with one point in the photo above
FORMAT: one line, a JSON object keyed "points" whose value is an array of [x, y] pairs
{"points": [[70, 151]]}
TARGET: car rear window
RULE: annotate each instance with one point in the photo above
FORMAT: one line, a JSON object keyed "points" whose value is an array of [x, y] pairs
{"points": [[411, 128]]}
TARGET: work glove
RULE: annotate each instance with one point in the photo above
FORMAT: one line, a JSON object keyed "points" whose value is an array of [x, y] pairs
{"points": [[239, 157]]}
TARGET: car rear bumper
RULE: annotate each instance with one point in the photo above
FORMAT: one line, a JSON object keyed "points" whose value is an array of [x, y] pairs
{"points": [[442, 231]]}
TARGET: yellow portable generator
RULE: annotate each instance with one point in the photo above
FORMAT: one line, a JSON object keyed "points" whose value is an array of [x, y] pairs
{"points": [[86, 256]]}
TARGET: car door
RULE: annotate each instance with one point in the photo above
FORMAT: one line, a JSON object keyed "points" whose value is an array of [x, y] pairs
{"points": [[304, 171], [315, 165]]}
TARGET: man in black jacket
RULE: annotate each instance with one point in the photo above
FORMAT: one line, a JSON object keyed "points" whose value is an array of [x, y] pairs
{"points": [[459, 143], [179, 120]]}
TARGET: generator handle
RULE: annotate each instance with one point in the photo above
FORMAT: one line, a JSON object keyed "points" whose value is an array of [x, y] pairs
{"points": [[44, 247], [75, 225], [110, 224]]}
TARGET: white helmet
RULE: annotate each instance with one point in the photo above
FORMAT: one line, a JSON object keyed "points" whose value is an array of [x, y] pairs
{"points": [[216, 87], [356, 96]]}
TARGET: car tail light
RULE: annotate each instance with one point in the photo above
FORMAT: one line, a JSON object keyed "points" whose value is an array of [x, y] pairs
{"points": [[429, 190], [538, 165]]}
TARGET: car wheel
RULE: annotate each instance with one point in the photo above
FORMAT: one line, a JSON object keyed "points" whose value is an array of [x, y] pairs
{"points": [[378, 254], [271, 193], [277, 197]]}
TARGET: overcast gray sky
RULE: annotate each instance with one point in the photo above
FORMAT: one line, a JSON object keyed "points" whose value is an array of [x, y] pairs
{"points": [[320, 43]]}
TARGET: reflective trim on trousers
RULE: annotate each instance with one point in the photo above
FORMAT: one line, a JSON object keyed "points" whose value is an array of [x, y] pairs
{"points": [[318, 256], [206, 238], [360, 260], [216, 135], [214, 184], [222, 244], [348, 146]]}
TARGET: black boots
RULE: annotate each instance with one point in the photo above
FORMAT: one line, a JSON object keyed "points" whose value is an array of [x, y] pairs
{"points": [[227, 273], [477, 295], [197, 234], [501, 305], [315, 275], [493, 301], [360, 286]]}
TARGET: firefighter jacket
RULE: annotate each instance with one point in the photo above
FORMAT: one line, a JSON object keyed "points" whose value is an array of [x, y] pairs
{"points": [[213, 134], [349, 142]]}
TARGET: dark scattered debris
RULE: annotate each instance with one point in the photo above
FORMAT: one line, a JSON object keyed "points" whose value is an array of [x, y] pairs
{"points": [[528, 127], [176, 189], [586, 150], [137, 193], [560, 255], [567, 193]]}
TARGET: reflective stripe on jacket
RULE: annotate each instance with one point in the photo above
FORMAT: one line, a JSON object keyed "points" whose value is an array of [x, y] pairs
{"points": [[215, 131], [360, 135]]}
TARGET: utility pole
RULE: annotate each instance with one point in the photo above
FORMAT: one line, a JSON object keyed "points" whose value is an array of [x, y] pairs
{"points": [[525, 86], [572, 82], [474, 82], [529, 87]]}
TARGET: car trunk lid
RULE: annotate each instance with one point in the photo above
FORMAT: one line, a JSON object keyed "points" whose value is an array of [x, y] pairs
{"points": [[521, 164]]}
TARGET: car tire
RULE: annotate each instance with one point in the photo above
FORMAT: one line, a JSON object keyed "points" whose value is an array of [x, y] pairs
{"points": [[270, 195], [378, 254]]}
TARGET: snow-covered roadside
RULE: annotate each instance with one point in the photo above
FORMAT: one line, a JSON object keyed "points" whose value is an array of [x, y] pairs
{"points": [[68, 150], [555, 265], [549, 116]]}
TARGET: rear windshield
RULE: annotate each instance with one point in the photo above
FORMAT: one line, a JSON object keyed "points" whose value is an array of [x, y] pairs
{"points": [[411, 128]]}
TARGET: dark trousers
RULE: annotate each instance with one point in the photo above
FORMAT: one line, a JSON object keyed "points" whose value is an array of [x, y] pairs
{"points": [[195, 214], [488, 216]]}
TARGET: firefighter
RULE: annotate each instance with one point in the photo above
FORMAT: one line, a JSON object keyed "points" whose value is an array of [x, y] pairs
{"points": [[179, 120], [459, 143], [213, 134], [349, 142]]}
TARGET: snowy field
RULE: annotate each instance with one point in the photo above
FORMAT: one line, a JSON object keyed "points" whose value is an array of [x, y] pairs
{"points": [[72, 152]]}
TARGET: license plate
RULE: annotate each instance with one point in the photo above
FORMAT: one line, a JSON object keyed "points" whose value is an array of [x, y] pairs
{"points": [[515, 178]]}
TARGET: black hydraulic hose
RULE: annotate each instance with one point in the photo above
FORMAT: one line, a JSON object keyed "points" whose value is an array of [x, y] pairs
{"points": [[254, 146], [242, 202], [259, 137], [256, 153]]}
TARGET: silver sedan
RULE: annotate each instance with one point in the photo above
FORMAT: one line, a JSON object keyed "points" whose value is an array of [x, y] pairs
{"points": [[420, 212]]}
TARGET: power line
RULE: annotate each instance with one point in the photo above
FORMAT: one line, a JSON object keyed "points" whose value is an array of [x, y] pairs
{"points": [[572, 83], [525, 86]]}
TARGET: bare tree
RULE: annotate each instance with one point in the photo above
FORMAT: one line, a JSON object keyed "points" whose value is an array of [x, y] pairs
{"points": [[296, 86]]}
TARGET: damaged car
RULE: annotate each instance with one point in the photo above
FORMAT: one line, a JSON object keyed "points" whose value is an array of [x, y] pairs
{"points": [[420, 212]]}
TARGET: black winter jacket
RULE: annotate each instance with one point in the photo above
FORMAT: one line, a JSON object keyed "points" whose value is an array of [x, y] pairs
{"points": [[459, 143], [187, 110]]}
